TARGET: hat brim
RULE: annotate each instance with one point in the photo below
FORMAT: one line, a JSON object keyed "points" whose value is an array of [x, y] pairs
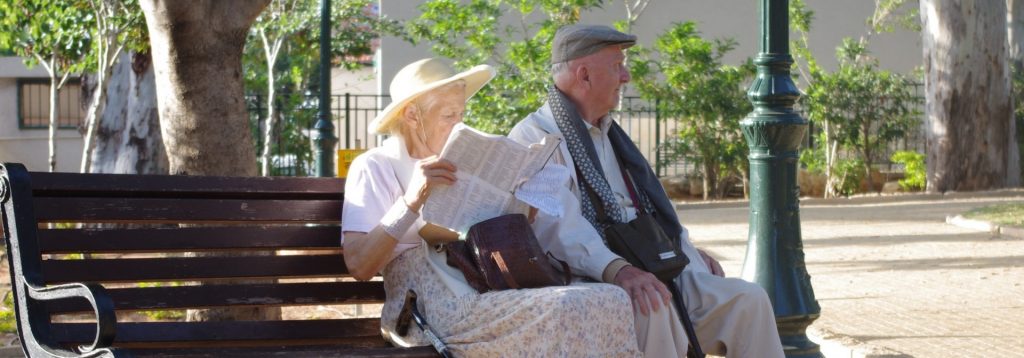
{"points": [[475, 78]]}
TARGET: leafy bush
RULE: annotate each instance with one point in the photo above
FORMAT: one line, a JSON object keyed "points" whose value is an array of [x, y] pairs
{"points": [[7, 323], [162, 315], [813, 159], [848, 174], [913, 169]]}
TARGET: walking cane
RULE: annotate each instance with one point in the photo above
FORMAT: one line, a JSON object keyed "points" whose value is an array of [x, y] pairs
{"points": [[691, 334], [410, 312]]}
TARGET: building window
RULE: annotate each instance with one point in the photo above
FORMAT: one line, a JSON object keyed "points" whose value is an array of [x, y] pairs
{"points": [[34, 104]]}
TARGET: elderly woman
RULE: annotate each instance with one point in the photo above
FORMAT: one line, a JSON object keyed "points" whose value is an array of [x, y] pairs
{"points": [[386, 188]]}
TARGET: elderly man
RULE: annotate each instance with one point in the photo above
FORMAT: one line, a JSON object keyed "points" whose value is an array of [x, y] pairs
{"points": [[732, 317]]}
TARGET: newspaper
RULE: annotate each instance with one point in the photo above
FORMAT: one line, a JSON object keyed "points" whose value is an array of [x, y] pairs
{"points": [[489, 169]]}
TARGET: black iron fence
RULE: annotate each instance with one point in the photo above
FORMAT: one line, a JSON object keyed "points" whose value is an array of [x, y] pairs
{"points": [[352, 113]]}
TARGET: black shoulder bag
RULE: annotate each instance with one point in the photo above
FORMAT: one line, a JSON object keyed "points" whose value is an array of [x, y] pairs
{"points": [[641, 242], [644, 244]]}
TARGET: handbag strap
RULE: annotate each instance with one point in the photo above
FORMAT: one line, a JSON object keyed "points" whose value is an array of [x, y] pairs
{"points": [[505, 272], [565, 268]]}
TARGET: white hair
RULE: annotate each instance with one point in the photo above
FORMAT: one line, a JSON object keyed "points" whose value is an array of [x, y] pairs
{"points": [[559, 68]]}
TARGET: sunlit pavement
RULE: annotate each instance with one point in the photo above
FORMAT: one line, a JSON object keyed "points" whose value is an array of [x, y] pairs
{"points": [[892, 277]]}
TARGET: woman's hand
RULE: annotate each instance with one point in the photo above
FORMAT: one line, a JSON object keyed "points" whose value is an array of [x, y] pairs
{"points": [[429, 172]]}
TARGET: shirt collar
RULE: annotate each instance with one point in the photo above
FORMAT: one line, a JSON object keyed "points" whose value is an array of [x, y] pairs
{"points": [[603, 124]]}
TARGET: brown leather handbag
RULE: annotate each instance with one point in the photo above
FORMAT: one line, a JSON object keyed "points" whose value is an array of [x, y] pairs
{"points": [[502, 253]]}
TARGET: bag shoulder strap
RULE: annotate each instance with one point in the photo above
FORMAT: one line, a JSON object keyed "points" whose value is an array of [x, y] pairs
{"points": [[627, 178], [587, 190]]}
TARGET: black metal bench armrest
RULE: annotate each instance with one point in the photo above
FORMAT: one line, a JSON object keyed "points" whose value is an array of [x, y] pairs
{"points": [[102, 305]]}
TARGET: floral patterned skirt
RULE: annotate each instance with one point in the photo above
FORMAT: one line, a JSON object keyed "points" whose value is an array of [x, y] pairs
{"points": [[580, 320]]}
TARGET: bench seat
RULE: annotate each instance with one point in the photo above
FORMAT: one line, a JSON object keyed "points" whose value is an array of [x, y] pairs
{"points": [[91, 253]]}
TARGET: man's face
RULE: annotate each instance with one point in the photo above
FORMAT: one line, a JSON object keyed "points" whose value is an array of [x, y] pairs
{"points": [[606, 73]]}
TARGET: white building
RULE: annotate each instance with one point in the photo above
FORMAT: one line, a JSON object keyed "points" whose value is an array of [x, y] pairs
{"points": [[25, 118], [23, 92]]}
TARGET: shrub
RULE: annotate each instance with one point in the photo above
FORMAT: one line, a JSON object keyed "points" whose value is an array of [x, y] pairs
{"points": [[913, 169], [7, 317]]}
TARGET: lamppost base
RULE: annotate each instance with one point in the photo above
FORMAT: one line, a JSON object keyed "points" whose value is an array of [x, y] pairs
{"points": [[793, 333]]}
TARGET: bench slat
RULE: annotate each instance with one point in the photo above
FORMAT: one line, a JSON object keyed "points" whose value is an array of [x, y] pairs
{"points": [[354, 331], [236, 295], [92, 209], [192, 268], [119, 240], [180, 186]]}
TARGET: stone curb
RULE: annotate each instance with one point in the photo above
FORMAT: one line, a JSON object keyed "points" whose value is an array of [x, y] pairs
{"points": [[1009, 231], [861, 200]]}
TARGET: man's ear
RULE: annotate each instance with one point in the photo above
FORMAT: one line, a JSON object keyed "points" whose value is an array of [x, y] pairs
{"points": [[583, 75]]}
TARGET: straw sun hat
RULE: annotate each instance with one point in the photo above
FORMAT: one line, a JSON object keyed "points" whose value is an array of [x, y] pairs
{"points": [[420, 77]]}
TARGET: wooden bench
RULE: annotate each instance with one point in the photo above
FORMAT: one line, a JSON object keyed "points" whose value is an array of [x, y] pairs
{"points": [[88, 250]]}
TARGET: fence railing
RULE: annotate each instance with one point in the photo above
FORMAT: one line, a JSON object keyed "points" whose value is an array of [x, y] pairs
{"points": [[352, 114]]}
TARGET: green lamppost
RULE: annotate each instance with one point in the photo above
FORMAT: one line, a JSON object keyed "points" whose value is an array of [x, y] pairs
{"points": [[323, 131], [775, 257]]}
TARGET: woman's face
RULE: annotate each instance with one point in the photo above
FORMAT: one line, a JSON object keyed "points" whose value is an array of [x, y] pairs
{"points": [[439, 114]]}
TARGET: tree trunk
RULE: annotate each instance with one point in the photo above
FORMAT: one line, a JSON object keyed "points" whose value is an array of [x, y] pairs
{"points": [[745, 178], [96, 106], [197, 56], [268, 135], [968, 108], [866, 151], [128, 137], [54, 118], [1015, 32], [831, 152]]}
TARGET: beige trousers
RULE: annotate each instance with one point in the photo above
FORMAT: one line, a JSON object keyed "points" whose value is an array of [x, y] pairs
{"points": [[732, 318]]}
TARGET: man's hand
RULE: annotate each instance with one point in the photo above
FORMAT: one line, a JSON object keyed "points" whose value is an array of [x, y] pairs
{"points": [[643, 288], [712, 264]]}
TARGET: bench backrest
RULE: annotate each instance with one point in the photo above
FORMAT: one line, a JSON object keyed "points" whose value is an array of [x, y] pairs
{"points": [[138, 236]]}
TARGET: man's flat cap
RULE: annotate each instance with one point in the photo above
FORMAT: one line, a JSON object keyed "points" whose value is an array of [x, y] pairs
{"points": [[575, 41]]}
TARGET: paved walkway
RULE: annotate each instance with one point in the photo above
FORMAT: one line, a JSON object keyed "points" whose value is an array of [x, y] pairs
{"points": [[892, 278]]}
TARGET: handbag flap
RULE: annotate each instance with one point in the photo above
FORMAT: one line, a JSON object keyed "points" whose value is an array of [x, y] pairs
{"points": [[509, 256]]}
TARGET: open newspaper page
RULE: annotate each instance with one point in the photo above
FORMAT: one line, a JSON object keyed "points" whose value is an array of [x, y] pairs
{"points": [[489, 168]]}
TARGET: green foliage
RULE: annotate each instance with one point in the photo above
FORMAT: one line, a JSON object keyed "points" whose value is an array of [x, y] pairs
{"points": [[7, 316], [914, 170], [800, 23], [813, 159], [120, 22], [45, 31], [890, 14], [473, 33], [849, 172], [292, 32], [860, 107], [686, 77], [162, 315], [355, 29]]}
